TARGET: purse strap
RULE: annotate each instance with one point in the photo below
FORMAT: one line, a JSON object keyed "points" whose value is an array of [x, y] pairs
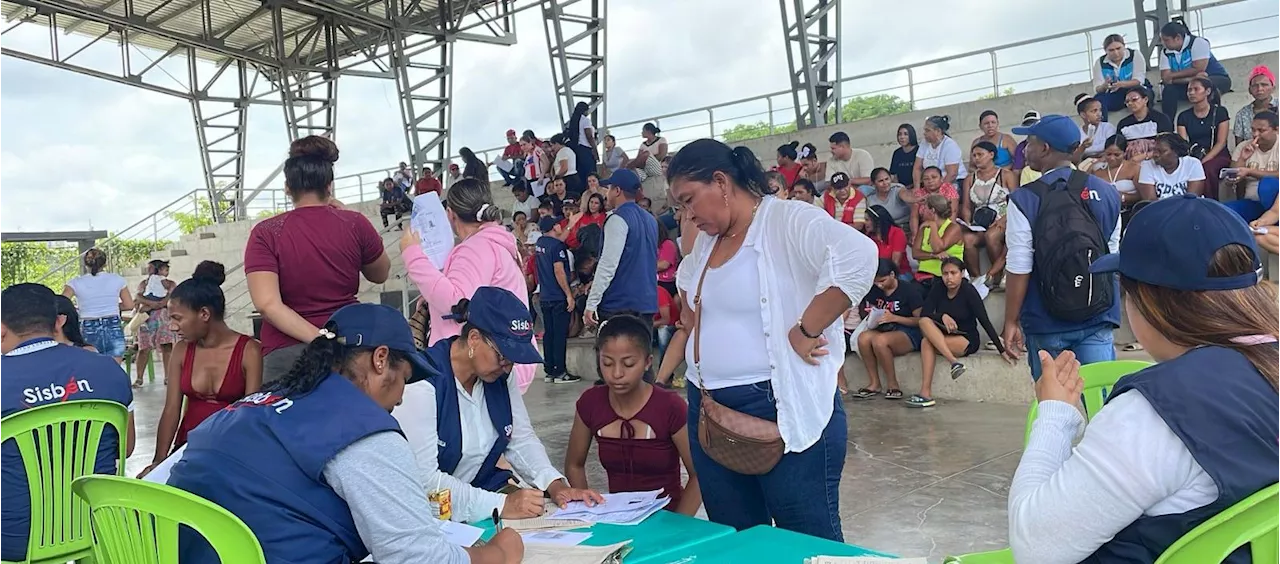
{"points": [[697, 313]]}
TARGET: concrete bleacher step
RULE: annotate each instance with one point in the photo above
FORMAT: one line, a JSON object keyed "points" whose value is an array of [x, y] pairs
{"points": [[987, 378]]}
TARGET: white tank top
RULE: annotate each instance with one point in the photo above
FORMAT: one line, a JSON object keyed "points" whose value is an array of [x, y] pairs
{"points": [[97, 296], [734, 348], [989, 193]]}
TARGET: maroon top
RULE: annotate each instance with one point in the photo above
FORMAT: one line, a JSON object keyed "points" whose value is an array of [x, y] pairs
{"points": [[201, 406], [318, 252], [638, 464]]}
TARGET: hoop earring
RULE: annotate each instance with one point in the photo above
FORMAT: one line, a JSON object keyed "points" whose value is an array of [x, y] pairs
{"points": [[471, 352]]}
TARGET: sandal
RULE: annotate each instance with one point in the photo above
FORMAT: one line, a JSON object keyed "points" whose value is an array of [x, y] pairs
{"points": [[893, 394], [1132, 347], [864, 393], [137, 384], [957, 370], [918, 400]]}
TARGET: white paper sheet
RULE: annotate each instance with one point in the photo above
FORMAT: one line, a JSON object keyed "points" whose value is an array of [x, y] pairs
{"points": [[973, 228], [461, 534], [554, 554], [635, 510], [160, 474], [432, 225], [558, 538], [544, 524], [871, 321]]}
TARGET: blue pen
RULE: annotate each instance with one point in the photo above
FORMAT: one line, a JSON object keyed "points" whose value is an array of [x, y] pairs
{"points": [[497, 523]]}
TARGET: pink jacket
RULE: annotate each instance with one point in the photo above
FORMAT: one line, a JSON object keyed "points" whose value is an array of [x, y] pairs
{"points": [[487, 258]]}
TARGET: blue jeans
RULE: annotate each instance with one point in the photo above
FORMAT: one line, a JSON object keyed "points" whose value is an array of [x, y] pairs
{"points": [[555, 336], [1253, 209], [662, 338], [801, 493], [1092, 344], [105, 334]]}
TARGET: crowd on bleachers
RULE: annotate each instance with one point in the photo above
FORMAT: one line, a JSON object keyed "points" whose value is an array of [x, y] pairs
{"points": [[342, 432]]}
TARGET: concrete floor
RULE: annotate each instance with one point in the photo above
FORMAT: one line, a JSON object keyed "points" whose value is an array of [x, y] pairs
{"points": [[931, 482]]}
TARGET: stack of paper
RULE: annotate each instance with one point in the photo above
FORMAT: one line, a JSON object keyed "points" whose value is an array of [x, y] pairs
{"points": [[627, 508], [556, 554], [544, 524], [460, 534], [862, 560]]}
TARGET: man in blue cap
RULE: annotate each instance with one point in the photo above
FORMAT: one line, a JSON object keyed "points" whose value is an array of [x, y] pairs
{"points": [[1057, 227], [625, 280], [315, 464], [38, 371]]}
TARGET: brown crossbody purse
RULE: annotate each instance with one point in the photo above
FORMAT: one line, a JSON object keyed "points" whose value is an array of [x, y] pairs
{"points": [[743, 443]]}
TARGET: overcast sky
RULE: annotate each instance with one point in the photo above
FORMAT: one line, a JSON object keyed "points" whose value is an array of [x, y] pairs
{"points": [[77, 152]]}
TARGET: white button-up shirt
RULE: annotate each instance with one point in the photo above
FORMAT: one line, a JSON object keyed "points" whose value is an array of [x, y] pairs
{"points": [[802, 252], [417, 417]]}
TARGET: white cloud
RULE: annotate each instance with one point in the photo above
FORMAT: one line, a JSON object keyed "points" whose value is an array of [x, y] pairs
{"points": [[80, 151]]}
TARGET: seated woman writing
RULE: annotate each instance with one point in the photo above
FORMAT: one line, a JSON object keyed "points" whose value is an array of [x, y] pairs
{"points": [[462, 419], [213, 365], [938, 237], [315, 464], [1178, 442], [895, 334], [640, 427], [949, 322]]}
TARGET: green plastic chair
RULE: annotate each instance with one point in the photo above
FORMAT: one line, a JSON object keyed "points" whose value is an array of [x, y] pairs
{"points": [[1099, 378], [59, 443], [136, 522], [1253, 521]]}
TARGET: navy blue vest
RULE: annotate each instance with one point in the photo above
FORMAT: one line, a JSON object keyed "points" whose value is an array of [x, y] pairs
{"points": [[635, 285], [263, 457], [1225, 413], [41, 372], [1105, 205], [1121, 72], [1181, 60], [449, 422]]}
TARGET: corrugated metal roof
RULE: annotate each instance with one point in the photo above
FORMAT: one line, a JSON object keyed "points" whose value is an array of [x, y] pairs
{"points": [[242, 25]]}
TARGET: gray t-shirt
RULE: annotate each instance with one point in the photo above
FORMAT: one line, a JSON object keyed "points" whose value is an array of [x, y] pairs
{"points": [[377, 477], [892, 201]]}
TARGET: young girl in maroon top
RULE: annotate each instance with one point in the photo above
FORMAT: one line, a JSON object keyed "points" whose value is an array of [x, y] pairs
{"points": [[641, 428]]}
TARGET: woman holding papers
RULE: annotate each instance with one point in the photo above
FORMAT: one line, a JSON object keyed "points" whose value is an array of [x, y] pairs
{"points": [[769, 280], [486, 256], [461, 420], [640, 427], [316, 466]]}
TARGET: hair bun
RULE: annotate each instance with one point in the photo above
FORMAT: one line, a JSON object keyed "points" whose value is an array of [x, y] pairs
{"points": [[210, 271], [314, 146]]}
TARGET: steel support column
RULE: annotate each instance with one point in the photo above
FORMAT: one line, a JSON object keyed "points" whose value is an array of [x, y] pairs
{"points": [[221, 128], [310, 92], [811, 31], [577, 39], [423, 71], [1164, 11]]}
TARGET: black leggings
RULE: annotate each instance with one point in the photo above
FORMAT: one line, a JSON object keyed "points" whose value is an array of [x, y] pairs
{"points": [[1175, 94]]}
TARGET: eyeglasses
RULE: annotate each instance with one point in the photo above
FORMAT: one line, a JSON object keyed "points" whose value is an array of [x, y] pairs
{"points": [[496, 351], [1133, 100]]}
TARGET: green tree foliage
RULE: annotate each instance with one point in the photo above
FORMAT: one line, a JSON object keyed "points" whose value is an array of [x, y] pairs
{"points": [[202, 216], [862, 107], [992, 96], [54, 266]]}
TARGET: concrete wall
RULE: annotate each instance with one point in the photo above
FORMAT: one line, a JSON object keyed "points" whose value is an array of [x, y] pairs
{"points": [[878, 136]]}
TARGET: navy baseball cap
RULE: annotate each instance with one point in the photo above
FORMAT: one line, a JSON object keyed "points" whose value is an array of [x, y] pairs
{"points": [[376, 325], [504, 319], [1170, 243], [839, 180], [1058, 131], [547, 224], [624, 179]]}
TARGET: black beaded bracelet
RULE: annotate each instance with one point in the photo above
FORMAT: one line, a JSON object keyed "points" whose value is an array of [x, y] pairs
{"points": [[800, 325]]}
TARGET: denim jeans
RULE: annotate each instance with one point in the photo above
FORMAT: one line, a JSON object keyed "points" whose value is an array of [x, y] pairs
{"points": [[1092, 344], [555, 336], [1253, 209], [105, 334], [801, 493], [662, 338]]}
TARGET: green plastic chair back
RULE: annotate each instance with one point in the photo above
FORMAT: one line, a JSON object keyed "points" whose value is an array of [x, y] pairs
{"points": [[1099, 378], [1002, 556], [1253, 521], [137, 523], [59, 443]]}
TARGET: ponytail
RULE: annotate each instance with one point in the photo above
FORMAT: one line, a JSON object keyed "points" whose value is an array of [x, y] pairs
{"points": [[941, 123], [472, 201], [461, 312], [95, 260], [701, 159], [789, 150]]}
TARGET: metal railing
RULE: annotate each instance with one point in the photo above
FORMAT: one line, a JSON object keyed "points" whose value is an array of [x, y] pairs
{"points": [[924, 85]]}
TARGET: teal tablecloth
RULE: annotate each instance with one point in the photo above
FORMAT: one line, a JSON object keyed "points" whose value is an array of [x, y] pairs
{"points": [[758, 545], [662, 533]]}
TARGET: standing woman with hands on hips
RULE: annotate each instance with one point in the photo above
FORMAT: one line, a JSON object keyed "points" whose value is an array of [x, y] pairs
{"points": [[1180, 441], [470, 413], [769, 350]]}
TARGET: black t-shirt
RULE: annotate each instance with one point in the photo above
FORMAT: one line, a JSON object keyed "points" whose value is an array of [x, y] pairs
{"points": [[557, 204], [550, 251], [904, 300], [903, 164], [1155, 123], [1202, 131]]}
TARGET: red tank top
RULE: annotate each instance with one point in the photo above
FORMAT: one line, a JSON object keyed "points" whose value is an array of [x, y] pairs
{"points": [[201, 406]]}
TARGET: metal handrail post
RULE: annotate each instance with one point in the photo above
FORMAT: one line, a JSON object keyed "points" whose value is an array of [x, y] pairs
{"points": [[995, 75]]}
